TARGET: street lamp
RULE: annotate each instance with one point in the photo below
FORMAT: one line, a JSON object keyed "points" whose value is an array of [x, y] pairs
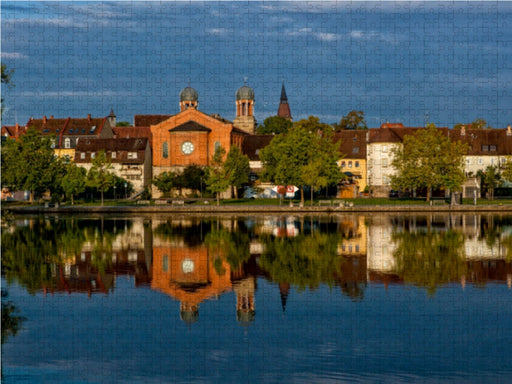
{"points": [[115, 192]]}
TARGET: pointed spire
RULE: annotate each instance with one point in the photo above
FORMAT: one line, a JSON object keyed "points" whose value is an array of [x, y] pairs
{"points": [[284, 98], [284, 290]]}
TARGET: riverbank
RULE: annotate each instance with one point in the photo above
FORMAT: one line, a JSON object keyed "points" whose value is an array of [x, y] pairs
{"points": [[240, 209]]}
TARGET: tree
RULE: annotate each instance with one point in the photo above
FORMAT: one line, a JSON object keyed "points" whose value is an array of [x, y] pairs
{"points": [[476, 124], [217, 180], [192, 177], [353, 120], [6, 79], [428, 159], [274, 125], [123, 124], [74, 181], [301, 156], [100, 175], [506, 169], [489, 179], [30, 164], [165, 182], [237, 168]]}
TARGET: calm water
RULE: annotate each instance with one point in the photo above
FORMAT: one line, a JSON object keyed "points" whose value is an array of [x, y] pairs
{"points": [[273, 299]]}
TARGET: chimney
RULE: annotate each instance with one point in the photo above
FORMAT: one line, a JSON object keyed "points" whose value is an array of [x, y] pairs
{"points": [[51, 116], [89, 117], [509, 130], [463, 131], [44, 119]]}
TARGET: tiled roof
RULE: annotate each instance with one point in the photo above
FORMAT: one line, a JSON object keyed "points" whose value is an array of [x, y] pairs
{"points": [[120, 146], [13, 131], [85, 127], [133, 132], [190, 126], [352, 143], [484, 141], [252, 144], [48, 126], [147, 120]]}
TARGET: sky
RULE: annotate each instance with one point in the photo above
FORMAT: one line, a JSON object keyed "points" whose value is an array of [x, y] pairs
{"points": [[407, 62]]}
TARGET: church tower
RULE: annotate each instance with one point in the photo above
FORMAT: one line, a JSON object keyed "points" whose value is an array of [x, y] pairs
{"points": [[188, 98], [284, 108], [245, 109]]}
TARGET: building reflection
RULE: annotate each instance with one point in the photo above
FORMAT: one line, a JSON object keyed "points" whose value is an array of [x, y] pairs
{"points": [[193, 260]]}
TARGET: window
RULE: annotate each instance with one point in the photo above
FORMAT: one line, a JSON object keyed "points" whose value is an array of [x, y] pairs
{"points": [[114, 154], [480, 161], [350, 164], [357, 164], [132, 155], [53, 143], [165, 263], [468, 161], [93, 155], [343, 164], [384, 148], [384, 163], [67, 142], [492, 148], [165, 150], [385, 180], [485, 148], [82, 155], [355, 150]]}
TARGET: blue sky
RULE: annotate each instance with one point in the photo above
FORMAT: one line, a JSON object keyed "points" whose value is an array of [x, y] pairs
{"points": [[445, 62]]}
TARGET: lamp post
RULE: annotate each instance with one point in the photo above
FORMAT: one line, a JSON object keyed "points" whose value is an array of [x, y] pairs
{"points": [[125, 185], [115, 192]]}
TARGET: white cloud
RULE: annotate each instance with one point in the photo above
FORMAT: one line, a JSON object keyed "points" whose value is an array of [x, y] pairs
{"points": [[323, 36], [13, 55], [75, 94], [217, 31]]}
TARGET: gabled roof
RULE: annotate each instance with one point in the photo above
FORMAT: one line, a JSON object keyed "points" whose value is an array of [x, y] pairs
{"points": [[190, 126], [13, 131], [147, 120], [252, 144]]}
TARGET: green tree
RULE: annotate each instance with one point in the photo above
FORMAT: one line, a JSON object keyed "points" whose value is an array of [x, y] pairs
{"points": [[300, 157], [165, 182], [489, 180], [100, 176], [6, 80], [217, 180], [476, 124], [274, 125], [74, 181], [237, 168], [353, 120], [192, 178], [428, 159], [506, 169], [123, 124], [30, 164]]}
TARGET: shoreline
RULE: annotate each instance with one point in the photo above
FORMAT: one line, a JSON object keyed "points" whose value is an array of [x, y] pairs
{"points": [[212, 209]]}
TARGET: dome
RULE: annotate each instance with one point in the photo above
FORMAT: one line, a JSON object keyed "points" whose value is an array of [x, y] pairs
{"points": [[245, 93], [188, 94]]}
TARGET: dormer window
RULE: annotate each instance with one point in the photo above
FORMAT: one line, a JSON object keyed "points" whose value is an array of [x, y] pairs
{"points": [[114, 154], [132, 155], [67, 142], [93, 155]]}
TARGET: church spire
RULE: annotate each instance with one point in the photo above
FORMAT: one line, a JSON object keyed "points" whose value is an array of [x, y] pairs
{"points": [[284, 107]]}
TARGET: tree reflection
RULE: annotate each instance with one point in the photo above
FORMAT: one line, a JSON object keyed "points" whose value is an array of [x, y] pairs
{"points": [[429, 259], [11, 321], [305, 261], [32, 253]]}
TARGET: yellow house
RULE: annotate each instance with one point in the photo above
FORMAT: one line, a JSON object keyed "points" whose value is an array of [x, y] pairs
{"points": [[352, 146]]}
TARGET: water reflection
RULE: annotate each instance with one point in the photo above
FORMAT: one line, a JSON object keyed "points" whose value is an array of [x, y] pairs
{"points": [[195, 259]]}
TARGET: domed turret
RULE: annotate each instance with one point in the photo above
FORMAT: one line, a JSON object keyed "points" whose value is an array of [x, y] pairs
{"points": [[188, 98], [189, 94], [245, 93], [245, 109]]}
